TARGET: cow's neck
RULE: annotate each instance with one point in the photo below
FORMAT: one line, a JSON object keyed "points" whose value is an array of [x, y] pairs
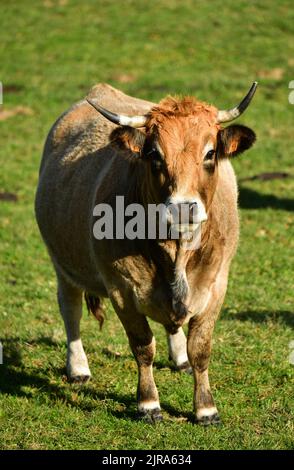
{"points": [[170, 257], [176, 259]]}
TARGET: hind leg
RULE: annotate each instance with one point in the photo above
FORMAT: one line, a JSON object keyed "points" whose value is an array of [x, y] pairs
{"points": [[177, 348], [70, 304]]}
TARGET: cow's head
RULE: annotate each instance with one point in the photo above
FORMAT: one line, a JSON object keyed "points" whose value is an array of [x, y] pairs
{"points": [[182, 143]]}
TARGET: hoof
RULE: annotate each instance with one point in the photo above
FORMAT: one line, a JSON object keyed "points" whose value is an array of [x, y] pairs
{"points": [[213, 419], [186, 368], [79, 379], [151, 416]]}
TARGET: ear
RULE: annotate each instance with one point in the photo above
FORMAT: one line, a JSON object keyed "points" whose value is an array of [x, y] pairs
{"points": [[234, 139], [128, 139]]}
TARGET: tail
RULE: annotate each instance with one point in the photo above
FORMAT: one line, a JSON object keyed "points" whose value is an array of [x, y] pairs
{"points": [[94, 305]]}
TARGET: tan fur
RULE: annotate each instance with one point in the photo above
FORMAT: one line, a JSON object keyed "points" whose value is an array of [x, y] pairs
{"points": [[81, 168]]}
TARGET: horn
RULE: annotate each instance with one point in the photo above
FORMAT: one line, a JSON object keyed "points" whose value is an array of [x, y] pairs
{"points": [[120, 119], [231, 114]]}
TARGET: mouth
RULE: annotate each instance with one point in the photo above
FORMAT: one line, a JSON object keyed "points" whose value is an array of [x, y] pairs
{"points": [[186, 228]]}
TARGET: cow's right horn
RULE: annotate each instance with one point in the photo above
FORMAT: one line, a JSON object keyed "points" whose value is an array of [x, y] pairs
{"points": [[120, 119]]}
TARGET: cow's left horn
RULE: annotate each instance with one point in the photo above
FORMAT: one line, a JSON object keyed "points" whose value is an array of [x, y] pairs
{"points": [[120, 119], [231, 114]]}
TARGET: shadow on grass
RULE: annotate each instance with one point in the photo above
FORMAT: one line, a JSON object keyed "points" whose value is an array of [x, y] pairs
{"points": [[250, 199], [262, 316], [20, 381]]}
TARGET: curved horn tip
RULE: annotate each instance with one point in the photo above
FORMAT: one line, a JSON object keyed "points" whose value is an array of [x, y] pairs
{"points": [[247, 99], [120, 119], [234, 113], [91, 103], [112, 117]]}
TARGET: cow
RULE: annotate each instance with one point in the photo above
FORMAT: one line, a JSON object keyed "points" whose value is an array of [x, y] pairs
{"points": [[174, 153]]}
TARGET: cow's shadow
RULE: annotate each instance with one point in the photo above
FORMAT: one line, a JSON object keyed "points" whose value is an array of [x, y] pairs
{"points": [[15, 377], [17, 380], [285, 317], [250, 199]]}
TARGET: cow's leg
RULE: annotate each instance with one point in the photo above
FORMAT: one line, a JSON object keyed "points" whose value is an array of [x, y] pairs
{"points": [[142, 343], [177, 348], [199, 349], [70, 304]]}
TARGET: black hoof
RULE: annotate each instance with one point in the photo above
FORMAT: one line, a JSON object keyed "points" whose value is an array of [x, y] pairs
{"points": [[209, 420], [151, 416], [79, 379]]}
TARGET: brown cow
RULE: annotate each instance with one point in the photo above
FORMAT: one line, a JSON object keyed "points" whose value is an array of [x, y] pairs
{"points": [[179, 156]]}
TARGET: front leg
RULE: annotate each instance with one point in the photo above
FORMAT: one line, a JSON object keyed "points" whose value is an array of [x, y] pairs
{"points": [[199, 349], [147, 394], [142, 343]]}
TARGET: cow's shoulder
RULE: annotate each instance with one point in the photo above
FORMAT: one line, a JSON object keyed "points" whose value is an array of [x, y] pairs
{"points": [[117, 101], [81, 125]]}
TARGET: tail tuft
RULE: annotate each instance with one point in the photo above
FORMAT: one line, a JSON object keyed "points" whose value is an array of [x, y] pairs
{"points": [[94, 305]]}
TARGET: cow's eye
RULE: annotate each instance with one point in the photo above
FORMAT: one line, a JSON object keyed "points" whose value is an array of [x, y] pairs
{"points": [[153, 154], [209, 156], [156, 165]]}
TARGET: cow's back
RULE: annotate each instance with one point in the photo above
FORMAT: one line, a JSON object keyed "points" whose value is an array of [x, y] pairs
{"points": [[76, 158]]}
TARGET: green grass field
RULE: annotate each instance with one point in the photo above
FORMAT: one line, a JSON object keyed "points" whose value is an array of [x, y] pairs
{"points": [[52, 52]]}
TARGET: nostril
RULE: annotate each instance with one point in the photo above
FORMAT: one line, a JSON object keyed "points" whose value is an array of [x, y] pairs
{"points": [[192, 211], [193, 206]]}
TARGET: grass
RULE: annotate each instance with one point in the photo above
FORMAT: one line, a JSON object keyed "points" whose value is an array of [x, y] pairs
{"points": [[52, 52]]}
